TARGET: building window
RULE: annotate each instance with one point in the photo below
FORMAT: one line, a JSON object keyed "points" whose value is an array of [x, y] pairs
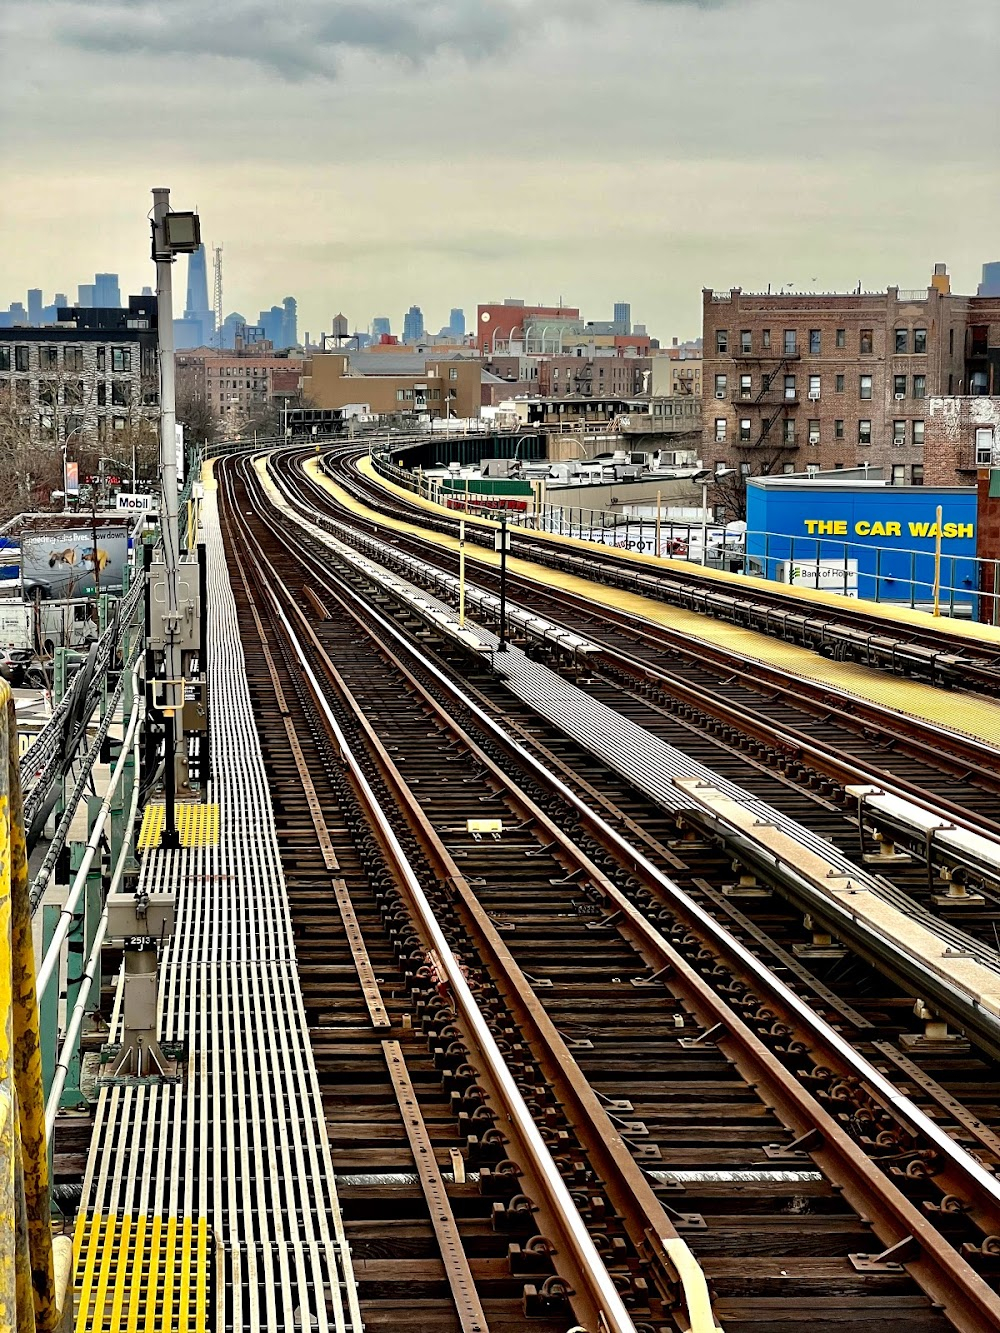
{"points": [[121, 358], [746, 388], [864, 432], [453, 373], [920, 340], [73, 358], [721, 465], [102, 358], [722, 341], [21, 358], [22, 393], [951, 342], [46, 426], [979, 384], [838, 429], [899, 386], [47, 392], [788, 468], [917, 474], [898, 474], [918, 434], [814, 430], [720, 430], [746, 340], [841, 337], [899, 432], [814, 387], [865, 390], [118, 423], [789, 387], [765, 337], [720, 386], [789, 430], [4, 358], [984, 446], [744, 469], [555, 372], [902, 341], [120, 395], [839, 384], [790, 342], [815, 341], [48, 358], [74, 426], [102, 395], [866, 342], [745, 430], [400, 396], [73, 393], [920, 386]]}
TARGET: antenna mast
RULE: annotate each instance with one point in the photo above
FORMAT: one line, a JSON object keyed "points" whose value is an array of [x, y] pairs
{"points": [[217, 296]]}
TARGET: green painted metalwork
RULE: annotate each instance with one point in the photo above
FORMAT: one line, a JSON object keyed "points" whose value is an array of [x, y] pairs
{"points": [[48, 1005], [76, 955]]}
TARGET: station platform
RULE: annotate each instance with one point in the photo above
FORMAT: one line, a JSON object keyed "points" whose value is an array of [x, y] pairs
{"points": [[969, 715], [209, 1202]]}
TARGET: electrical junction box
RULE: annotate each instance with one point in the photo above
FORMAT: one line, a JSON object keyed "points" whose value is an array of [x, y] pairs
{"points": [[125, 924], [188, 607]]}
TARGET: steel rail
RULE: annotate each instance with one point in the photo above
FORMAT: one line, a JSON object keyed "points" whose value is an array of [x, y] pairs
{"points": [[604, 1304], [981, 854], [626, 1182], [942, 1272]]}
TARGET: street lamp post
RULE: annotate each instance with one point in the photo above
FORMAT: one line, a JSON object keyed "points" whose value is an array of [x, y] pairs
{"points": [[173, 234]]}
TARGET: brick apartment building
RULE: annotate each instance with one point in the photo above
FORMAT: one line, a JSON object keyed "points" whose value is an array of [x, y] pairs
{"points": [[390, 385], [805, 382], [238, 385]]}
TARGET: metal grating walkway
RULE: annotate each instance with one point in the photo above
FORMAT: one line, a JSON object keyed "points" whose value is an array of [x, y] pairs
{"points": [[211, 1203]]}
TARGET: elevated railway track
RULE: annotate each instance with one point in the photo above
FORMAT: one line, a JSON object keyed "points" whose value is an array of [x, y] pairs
{"points": [[717, 1103]]}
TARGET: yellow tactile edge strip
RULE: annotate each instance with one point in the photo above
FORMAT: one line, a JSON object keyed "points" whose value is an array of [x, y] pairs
{"points": [[141, 1273], [967, 714], [197, 825]]}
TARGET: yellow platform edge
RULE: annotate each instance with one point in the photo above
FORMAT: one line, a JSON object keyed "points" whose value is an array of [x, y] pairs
{"points": [[970, 715]]}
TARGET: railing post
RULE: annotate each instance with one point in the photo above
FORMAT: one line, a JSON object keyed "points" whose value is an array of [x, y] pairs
{"points": [[48, 1003], [76, 956]]}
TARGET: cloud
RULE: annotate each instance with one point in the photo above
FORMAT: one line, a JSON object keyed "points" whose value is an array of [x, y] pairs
{"points": [[307, 41]]}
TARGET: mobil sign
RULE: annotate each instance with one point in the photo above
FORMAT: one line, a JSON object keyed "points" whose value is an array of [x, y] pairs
{"points": [[131, 502]]}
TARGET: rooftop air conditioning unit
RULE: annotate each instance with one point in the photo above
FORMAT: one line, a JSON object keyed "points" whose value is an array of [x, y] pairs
{"points": [[900, 397], [814, 395]]}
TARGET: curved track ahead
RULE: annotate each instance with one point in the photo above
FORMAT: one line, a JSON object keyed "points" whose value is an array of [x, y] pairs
{"points": [[630, 1048]]}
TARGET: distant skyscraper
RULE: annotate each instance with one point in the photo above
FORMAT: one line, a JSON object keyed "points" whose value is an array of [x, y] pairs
{"points": [[61, 302], [413, 325], [456, 324], [106, 291], [199, 318], [990, 285], [290, 322], [381, 327], [272, 321], [85, 295], [147, 291], [35, 304], [623, 317], [230, 325]]}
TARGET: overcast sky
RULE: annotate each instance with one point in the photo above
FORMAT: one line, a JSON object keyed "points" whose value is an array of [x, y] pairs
{"points": [[362, 155]]}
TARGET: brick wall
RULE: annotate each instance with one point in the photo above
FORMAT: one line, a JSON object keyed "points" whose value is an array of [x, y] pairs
{"points": [[951, 437]]}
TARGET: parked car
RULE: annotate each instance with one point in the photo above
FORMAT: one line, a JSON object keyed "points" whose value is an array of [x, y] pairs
{"points": [[22, 669]]}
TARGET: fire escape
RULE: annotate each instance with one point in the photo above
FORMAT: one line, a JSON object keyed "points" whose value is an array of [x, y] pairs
{"points": [[773, 403]]}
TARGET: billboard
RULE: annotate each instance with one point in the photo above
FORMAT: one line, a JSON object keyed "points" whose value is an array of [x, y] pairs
{"points": [[72, 478], [65, 562], [134, 502]]}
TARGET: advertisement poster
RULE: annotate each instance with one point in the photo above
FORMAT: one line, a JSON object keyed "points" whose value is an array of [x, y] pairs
{"points": [[65, 562], [72, 478]]}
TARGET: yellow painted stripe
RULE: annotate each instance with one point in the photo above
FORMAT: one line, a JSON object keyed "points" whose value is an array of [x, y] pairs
{"points": [[197, 825], [141, 1273], [971, 714]]}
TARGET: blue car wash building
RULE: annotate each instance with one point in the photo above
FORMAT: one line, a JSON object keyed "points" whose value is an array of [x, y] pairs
{"points": [[865, 539]]}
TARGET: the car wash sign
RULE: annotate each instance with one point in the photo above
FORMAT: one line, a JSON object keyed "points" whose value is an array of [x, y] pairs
{"points": [[892, 532]]}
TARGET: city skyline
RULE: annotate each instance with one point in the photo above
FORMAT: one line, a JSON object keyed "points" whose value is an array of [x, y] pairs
{"points": [[693, 170]]}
